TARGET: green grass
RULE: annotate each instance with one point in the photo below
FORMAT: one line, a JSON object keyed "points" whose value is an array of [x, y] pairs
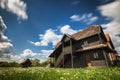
{"points": [[38, 73]]}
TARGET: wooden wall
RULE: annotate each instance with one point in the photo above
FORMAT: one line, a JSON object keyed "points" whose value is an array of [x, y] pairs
{"points": [[93, 40], [79, 61], [79, 58]]}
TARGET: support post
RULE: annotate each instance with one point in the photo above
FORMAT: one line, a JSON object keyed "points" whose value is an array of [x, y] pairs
{"points": [[106, 60], [63, 53], [99, 38], [71, 54]]}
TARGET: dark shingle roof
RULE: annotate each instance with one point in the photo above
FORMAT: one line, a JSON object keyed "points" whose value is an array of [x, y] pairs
{"points": [[87, 32]]}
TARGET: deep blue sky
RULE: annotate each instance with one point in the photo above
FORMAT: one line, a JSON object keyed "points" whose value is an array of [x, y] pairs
{"points": [[46, 14]]}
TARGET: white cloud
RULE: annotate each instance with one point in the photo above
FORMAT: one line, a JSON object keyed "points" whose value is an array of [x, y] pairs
{"points": [[2, 25], [75, 2], [16, 58], [66, 29], [44, 54], [35, 43], [86, 18], [17, 7], [49, 37], [76, 17], [112, 12], [5, 45], [91, 20], [27, 53]]}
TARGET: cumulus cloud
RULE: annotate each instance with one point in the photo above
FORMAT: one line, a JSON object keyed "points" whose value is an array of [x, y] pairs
{"points": [[5, 45], [17, 7], [77, 17], [27, 53], [111, 12], [49, 37], [16, 58], [44, 54], [66, 29], [86, 18]]}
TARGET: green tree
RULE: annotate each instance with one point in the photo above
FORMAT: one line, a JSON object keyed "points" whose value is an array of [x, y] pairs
{"points": [[14, 64], [9, 64], [35, 62], [45, 63]]}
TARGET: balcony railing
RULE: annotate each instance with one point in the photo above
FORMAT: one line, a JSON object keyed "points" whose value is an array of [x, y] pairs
{"points": [[91, 44]]}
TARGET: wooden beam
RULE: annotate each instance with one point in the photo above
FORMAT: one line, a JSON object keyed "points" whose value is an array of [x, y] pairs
{"points": [[63, 53], [100, 38], [71, 54]]}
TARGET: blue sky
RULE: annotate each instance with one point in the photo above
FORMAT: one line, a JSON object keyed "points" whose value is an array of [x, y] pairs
{"points": [[35, 26]]}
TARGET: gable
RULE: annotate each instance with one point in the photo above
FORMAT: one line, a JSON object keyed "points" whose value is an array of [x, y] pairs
{"points": [[66, 38]]}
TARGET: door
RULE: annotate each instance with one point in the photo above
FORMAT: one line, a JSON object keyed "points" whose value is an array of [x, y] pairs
{"points": [[87, 60]]}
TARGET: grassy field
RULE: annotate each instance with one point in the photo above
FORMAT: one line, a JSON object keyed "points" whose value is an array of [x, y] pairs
{"points": [[38, 73]]}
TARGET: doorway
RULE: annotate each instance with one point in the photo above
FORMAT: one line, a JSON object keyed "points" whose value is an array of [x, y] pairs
{"points": [[87, 60]]}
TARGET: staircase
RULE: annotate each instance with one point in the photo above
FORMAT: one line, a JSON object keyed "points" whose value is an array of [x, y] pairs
{"points": [[59, 60]]}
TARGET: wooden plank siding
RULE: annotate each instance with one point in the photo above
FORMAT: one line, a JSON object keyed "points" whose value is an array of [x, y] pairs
{"points": [[91, 41], [67, 50], [81, 55]]}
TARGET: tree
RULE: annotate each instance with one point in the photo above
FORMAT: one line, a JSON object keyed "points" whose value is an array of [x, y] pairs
{"points": [[45, 63], [35, 62], [9, 64], [14, 64]]}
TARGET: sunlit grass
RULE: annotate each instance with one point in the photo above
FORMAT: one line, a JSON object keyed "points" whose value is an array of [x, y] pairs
{"points": [[38, 73]]}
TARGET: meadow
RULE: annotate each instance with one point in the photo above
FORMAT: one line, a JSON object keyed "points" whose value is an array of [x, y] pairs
{"points": [[39, 73]]}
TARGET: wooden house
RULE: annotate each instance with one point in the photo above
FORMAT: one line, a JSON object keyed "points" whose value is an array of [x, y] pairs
{"points": [[26, 63], [87, 48]]}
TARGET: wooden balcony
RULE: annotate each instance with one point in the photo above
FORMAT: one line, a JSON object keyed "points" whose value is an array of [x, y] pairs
{"points": [[91, 44], [92, 47]]}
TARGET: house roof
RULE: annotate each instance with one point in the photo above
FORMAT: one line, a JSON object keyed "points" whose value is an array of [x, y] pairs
{"points": [[92, 30], [87, 32]]}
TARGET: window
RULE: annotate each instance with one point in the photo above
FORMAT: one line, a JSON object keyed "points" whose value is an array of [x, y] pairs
{"points": [[85, 43], [96, 55]]}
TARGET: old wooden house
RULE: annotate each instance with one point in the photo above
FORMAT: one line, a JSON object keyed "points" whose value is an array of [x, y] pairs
{"points": [[86, 48], [26, 63]]}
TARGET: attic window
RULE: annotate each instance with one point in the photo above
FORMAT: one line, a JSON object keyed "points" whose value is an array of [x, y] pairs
{"points": [[96, 55]]}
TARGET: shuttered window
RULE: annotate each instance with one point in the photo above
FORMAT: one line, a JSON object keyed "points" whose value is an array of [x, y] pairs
{"points": [[96, 55]]}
